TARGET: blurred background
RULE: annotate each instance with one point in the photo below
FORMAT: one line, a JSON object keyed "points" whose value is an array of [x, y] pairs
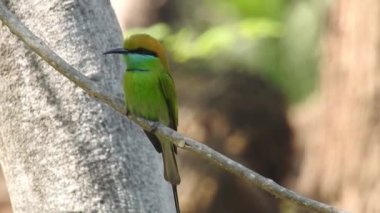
{"points": [[287, 87]]}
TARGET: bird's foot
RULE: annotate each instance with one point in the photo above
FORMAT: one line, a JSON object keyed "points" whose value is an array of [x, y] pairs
{"points": [[154, 127], [127, 113]]}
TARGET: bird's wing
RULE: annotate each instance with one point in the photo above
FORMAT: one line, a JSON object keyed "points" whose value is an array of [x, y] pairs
{"points": [[168, 89]]}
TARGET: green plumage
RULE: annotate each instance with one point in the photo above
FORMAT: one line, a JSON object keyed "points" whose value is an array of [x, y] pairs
{"points": [[149, 93]]}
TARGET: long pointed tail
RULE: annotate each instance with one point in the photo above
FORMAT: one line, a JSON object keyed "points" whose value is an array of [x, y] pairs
{"points": [[175, 195], [171, 173]]}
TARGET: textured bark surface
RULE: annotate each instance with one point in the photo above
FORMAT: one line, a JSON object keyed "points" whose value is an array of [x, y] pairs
{"points": [[59, 149], [343, 151]]}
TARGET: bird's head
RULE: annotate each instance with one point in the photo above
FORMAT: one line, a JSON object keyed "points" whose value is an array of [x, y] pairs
{"points": [[143, 45]]}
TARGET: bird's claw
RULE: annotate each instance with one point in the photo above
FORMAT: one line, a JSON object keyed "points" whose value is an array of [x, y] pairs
{"points": [[154, 127], [127, 113]]}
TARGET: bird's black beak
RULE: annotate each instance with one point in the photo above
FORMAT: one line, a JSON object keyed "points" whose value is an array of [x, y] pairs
{"points": [[117, 51]]}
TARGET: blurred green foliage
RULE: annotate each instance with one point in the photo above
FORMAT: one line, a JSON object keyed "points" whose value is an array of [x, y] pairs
{"points": [[277, 38]]}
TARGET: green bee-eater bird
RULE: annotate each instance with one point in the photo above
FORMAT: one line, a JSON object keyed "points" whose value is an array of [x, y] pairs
{"points": [[149, 92]]}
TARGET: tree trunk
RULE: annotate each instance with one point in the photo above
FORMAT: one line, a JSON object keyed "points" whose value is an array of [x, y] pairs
{"points": [[342, 158], [60, 150]]}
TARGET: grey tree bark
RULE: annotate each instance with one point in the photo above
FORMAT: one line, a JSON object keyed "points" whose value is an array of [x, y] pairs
{"points": [[60, 150]]}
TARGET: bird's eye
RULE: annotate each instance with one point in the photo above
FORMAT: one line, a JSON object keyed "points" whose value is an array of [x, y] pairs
{"points": [[143, 51]]}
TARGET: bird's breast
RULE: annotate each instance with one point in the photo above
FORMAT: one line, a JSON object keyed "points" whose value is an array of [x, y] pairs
{"points": [[144, 97]]}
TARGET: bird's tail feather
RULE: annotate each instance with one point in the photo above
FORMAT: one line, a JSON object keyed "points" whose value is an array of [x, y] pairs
{"points": [[175, 195], [171, 173], [154, 140]]}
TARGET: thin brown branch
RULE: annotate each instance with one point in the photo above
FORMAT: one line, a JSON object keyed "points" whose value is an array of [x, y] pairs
{"points": [[38, 46]]}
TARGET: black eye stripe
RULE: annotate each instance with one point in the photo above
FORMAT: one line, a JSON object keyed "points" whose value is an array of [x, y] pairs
{"points": [[143, 51]]}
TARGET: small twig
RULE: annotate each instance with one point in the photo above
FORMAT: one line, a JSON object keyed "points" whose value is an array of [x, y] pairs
{"points": [[38, 46]]}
